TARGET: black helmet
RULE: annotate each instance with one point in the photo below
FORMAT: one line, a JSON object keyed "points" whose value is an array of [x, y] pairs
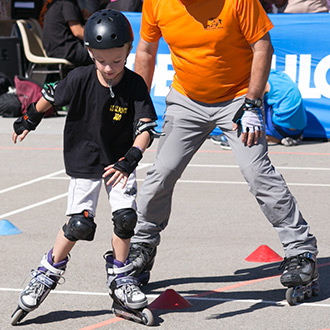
{"points": [[107, 29]]}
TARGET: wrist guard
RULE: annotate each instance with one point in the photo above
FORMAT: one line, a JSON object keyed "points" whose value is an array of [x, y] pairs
{"points": [[130, 161], [30, 120], [48, 92]]}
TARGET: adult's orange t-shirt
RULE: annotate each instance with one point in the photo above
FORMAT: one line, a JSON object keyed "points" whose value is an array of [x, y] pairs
{"points": [[209, 42]]}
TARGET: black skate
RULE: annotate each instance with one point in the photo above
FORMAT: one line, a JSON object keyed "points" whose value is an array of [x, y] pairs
{"points": [[300, 275], [142, 256], [129, 301], [44, 279]]}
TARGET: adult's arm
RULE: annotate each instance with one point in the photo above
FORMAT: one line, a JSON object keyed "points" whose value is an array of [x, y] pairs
{"points": [[261, 63], [77, 29], [145, 60]]}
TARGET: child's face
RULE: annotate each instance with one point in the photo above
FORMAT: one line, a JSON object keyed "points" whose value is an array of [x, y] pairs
{"points": [[110, 62]]}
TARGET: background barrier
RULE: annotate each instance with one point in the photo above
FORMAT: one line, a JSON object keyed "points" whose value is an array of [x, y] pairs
{"points": [[301, 48]]}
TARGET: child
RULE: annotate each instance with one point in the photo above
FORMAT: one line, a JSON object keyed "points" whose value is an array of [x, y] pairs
{"points": [[110, 121], [285, 113]]}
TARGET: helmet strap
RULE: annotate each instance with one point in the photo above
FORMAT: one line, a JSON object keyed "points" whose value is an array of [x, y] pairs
{"points": [[112, 94], [90, 54]]}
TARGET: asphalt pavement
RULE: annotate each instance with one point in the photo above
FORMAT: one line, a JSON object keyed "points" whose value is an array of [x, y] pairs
{"points": [[200, 279]]}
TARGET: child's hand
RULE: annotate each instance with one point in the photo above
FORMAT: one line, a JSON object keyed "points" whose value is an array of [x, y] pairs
{"points": [[21, 136], [28, 122], [116, 176]]}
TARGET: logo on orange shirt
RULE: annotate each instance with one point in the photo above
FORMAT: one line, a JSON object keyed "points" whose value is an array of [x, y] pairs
{"points": [[214, 24]]}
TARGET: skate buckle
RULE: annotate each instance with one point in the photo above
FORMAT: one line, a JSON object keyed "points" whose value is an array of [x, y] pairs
{"points": [[309, 255], [126, 280], [43, 279]]}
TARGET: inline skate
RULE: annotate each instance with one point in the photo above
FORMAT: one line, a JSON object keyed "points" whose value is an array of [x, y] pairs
{"points": [[142, 256], [300, 275], [129, 301], [44, 279]]}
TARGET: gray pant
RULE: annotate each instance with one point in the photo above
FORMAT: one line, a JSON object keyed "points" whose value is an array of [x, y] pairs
{"points": [[187, 125]]}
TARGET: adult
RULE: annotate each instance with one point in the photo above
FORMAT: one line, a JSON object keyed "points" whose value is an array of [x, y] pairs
{"points": [[221, 53], [285, 113], [63, 32]]}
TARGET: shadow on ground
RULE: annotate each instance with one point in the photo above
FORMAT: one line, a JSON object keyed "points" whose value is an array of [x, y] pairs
{"points": [[267, 298], [60, 315]]}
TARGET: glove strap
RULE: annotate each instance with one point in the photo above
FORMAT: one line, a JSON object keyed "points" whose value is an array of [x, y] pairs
{"points": [[130, 161], [29, 121]]}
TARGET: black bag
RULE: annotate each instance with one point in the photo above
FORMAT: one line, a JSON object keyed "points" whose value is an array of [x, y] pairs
{"points": [[5, 83], [29, 91], [10, 106]]}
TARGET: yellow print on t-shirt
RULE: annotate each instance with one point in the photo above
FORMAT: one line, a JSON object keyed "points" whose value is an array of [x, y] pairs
{"points": [[119, 111]]}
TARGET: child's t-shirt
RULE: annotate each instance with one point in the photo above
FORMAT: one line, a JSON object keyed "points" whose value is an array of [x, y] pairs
{"points": [[99, 129]]}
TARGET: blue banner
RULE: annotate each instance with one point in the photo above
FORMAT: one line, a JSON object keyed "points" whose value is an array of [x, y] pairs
{"points": [[301, 49]]}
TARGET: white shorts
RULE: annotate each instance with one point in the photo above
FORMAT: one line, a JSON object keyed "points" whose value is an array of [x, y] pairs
{"points": [[84, 195]]}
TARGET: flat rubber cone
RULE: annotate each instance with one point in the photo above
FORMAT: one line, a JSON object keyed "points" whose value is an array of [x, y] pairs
{"points": [[264, 254], [170, 299], [7, 228]]}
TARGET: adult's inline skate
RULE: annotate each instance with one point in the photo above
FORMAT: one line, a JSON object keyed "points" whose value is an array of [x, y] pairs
{"points": [[142, 256], [300, 275]]}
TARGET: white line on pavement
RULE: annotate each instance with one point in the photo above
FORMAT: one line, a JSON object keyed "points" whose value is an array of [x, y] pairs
{"points": [[33, 205], [154, 296], [31, 181], [243, 182], [52, 176], [223, 182], [236, 166]]}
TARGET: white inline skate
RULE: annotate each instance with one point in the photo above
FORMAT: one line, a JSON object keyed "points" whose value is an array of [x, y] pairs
{"points": [[129, 301], [44, 279]]}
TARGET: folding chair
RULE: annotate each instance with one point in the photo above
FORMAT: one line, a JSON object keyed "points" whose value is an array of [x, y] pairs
{"points": [[35, 52]]}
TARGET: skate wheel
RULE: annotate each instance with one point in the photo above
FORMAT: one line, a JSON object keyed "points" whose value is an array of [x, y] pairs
{"points": [[114, 311], [308, 293], [147, 317], [290, 297], [18, 316], [315, 289]]}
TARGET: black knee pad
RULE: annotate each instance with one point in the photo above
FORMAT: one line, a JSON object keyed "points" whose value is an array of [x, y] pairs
{"points": [[80, 227], [124, 221]]}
